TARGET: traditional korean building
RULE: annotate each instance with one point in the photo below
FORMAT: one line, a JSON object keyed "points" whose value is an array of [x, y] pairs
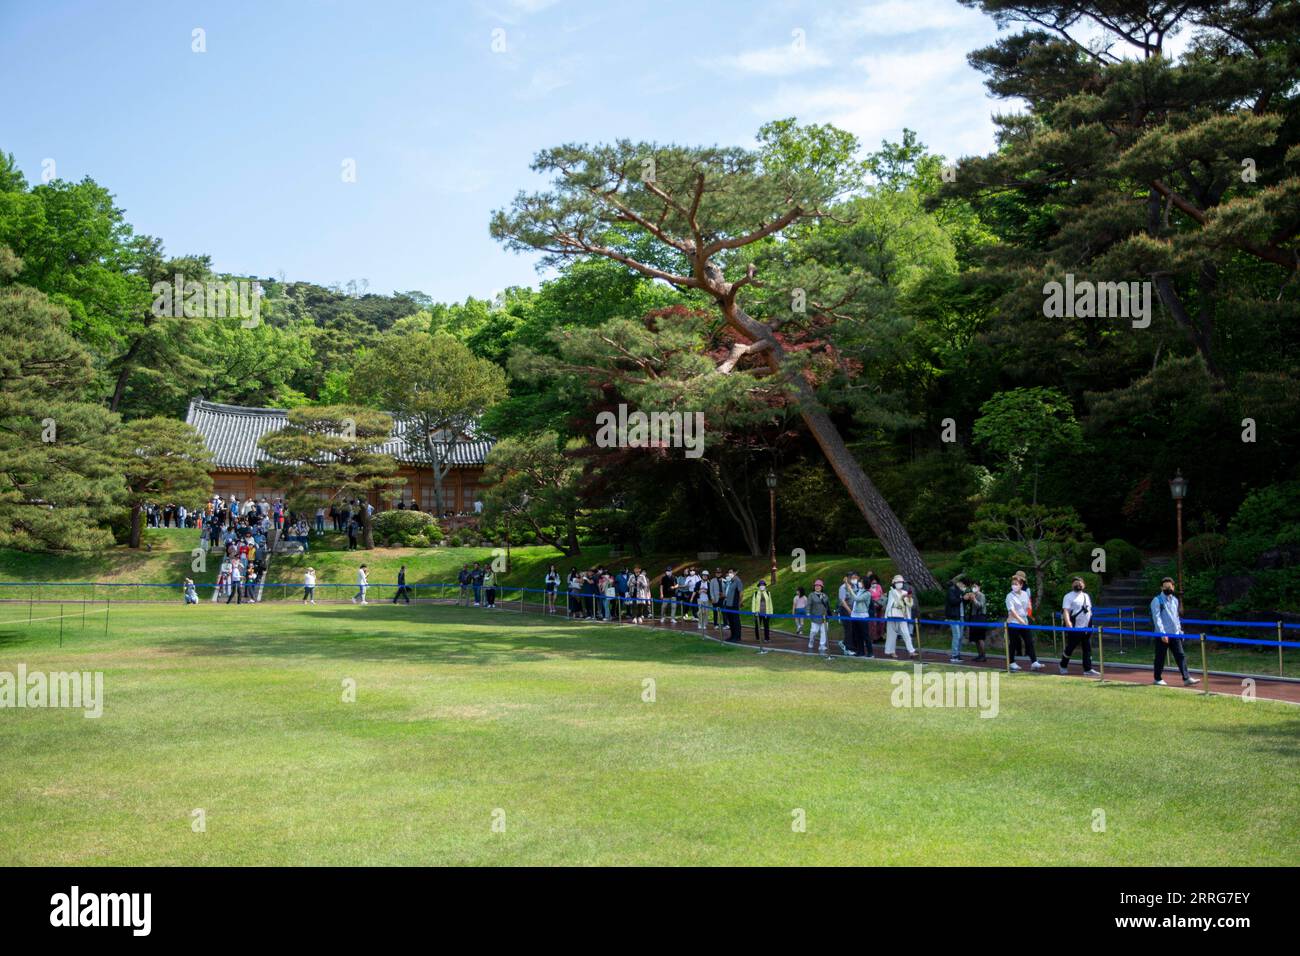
{"points": [[232, 431]]}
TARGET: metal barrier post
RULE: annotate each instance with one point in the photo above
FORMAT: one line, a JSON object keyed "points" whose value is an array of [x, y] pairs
{"points": [[1006, 643], [1279, 649], [1205, 669], [1101, 651]]}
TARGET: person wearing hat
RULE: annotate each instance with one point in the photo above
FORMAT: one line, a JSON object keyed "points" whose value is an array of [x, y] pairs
{"points": [[819, 609], [898, 608], [1018, 609], [1076, 611], [761, 605], [1168, 623]]}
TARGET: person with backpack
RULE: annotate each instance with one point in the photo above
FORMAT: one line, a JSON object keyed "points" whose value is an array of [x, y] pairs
{"points": [[1076, 611], [761, 606], [898, 608], [1018, 610], [401, 586], [1167, 622], [819, 609]]}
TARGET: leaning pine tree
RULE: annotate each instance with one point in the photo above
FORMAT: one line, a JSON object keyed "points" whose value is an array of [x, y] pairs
{"points": [[685, 216]]}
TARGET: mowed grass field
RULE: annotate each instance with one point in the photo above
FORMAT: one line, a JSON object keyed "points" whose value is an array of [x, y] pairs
{"points": [[464, 718]]}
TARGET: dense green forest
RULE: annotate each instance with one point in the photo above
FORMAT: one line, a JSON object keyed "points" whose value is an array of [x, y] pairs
{"points": [[904, 293]]}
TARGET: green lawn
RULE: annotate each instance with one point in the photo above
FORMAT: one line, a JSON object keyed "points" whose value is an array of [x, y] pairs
{"points": [[463, 713]]}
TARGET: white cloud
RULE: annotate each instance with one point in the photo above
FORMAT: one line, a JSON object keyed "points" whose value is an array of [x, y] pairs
{"points": [[897, 17], [784, 60]]}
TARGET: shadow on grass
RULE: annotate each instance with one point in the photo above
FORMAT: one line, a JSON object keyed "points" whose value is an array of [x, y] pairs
{"points": [[471, 637]]}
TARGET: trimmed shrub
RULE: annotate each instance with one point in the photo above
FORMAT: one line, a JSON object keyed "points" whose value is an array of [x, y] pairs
{"points": [[405, 529], [1205, 551], [1121, 557]]}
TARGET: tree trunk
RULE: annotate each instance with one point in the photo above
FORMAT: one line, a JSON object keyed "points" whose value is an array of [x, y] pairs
{"points": [[736, 506], [571, 523], [367, 526], [136, 510], [884, 523]]}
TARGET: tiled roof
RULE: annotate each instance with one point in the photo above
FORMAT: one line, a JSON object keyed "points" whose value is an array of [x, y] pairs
{"points": [[232, 431]]}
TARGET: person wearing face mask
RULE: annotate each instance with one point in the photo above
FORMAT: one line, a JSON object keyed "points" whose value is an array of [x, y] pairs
{"points": [[819, 609], [898, 605], [734, 588], [1018, 613], [1076, 611], [844, 608], [977, 613], [859, 611], [1168, 623], [761, 605]]}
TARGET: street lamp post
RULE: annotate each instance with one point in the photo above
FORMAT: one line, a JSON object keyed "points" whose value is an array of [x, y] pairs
{"points": [[1178, 490], [771, 500]]}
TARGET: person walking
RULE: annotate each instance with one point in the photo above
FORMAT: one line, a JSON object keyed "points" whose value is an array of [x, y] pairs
{"points": [[799, 608], [898, 608], [320, 520], [954, 611], [1018, 608], [363, 581], [761, 606], [1076, 611], [476, 583], [640, 588], [819, 609], [490, 588], [401, 586], [191, 594], [1168, 624], [236, 580], [309, 586]]}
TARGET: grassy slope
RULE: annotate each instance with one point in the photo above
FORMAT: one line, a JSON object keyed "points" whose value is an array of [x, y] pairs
{"points": [[169, 563], [460, 712]]}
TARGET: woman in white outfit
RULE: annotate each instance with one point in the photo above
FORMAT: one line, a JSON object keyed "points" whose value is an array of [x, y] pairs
{"points": [[898, 604]]}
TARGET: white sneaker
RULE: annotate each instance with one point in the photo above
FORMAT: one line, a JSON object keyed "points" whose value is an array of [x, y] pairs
{"points": [[1036, 666], [1091, 673], [1191, 680], [1161, 683], [954, 660], [1014, 666], [1065, 670]]}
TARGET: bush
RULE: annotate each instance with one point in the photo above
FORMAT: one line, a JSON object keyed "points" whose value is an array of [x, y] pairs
{"points": [[1121, 557], [405, 529], [1204, 552], [864, 548], [455, 541]]}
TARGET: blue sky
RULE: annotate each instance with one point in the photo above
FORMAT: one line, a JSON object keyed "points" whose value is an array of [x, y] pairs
{"points": [[238, 152]]}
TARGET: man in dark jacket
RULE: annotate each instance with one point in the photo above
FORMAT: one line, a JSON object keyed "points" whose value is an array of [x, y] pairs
{"points": [[735, 587], [954, 609], [401, 586]]}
